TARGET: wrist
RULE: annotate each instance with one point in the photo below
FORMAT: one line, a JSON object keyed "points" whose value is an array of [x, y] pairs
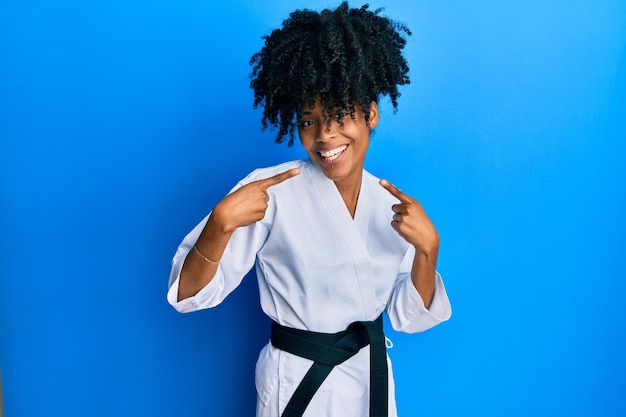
{"points": [[218, 221], [427, 254], [428, 249]]}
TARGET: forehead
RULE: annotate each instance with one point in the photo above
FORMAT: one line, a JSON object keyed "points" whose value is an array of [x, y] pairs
{"points": [[319, 105]]}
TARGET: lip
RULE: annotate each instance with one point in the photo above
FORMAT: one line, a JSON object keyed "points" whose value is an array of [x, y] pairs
{"points": [[337, 158]]}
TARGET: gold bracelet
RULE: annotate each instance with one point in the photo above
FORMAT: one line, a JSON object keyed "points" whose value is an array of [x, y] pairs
{"points": [[204, 257]]}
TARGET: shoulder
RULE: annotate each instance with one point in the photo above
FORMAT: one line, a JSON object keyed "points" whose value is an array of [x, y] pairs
{"points": [[376, 191], [369, 178], [266, 172]]}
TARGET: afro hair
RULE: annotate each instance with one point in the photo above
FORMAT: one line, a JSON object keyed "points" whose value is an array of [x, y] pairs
{"points": [[345, 57]]}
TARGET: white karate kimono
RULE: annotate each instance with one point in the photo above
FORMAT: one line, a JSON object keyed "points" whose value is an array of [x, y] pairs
{"points": [[319, 269]]}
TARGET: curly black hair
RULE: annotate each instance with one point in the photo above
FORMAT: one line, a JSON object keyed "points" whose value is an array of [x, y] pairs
{"points": [[346, 57]]}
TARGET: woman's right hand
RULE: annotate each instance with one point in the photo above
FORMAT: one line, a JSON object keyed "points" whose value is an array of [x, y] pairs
{"points": [[240, 208], [248, 204]]}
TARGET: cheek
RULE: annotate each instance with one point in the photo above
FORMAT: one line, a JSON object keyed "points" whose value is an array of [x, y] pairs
{"points": [[306, 140]]}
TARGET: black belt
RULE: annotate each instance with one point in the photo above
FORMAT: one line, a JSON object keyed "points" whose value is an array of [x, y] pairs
{"points": [[327, 350]]}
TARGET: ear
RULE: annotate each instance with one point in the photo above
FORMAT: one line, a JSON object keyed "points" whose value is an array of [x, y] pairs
{"points": [[373, 115]]}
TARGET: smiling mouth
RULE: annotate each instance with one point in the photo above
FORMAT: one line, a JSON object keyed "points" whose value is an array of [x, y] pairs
{"points": [[333, 154]]}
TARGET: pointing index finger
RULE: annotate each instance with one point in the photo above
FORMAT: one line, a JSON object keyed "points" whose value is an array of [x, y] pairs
{"points": [[278, 178], [394, 191]]}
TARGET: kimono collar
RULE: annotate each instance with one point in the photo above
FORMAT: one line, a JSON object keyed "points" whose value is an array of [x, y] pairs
{"points": [[353, 232]]}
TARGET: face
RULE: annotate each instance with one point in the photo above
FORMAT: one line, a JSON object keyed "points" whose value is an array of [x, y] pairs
{"points": [[339, 149]]}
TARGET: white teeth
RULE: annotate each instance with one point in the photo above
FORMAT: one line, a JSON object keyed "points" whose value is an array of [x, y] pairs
{"points": [[333, 153]]}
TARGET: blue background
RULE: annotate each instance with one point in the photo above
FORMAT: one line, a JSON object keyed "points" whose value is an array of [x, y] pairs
{"points": [[123, 122]]}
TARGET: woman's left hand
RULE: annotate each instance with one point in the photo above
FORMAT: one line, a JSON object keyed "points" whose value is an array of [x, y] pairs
{"points": [[411, 222]]}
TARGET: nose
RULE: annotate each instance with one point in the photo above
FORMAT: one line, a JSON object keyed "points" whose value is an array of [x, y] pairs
{"points": [[326, 132]]}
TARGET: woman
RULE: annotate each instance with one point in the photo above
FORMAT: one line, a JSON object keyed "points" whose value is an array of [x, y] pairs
{"points": [[333, 246]]}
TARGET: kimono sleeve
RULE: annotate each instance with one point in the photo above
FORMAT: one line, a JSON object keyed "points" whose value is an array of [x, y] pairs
{"points": [[237, 260], [406, 309]]}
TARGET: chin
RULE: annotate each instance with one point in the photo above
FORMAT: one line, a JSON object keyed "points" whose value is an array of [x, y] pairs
{"points": [[333, 174]]}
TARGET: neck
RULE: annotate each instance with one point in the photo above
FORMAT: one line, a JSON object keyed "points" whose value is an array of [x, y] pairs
{"points": [[349, 190]]}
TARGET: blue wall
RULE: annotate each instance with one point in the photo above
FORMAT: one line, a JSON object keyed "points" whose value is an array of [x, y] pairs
{"points": [[123, 122]]}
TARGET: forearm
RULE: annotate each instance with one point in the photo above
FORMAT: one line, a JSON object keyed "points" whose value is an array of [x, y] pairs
{"points": [[243, 207], [423, 274], [197, 271]]}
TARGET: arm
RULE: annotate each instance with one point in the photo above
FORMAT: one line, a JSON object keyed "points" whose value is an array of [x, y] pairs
{"points": [[241, 208], [412, 223], [199, 268], [423, 274]]}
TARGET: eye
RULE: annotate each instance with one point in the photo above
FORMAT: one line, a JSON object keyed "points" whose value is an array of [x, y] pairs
{"points": [[339, 115], [305, 123]]}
